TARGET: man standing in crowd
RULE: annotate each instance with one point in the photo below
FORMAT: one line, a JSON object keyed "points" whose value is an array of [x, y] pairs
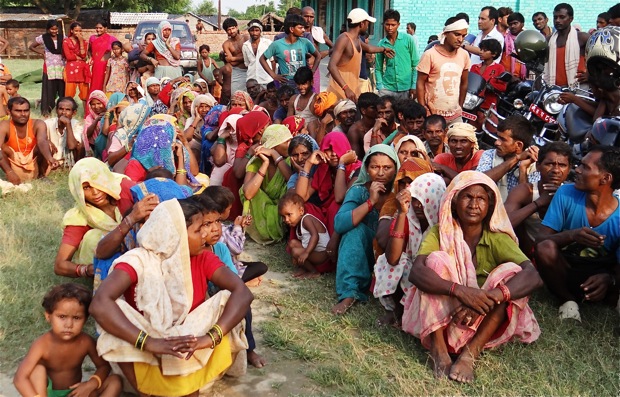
{"points": [[233, 49], [411, 27], [442, 73], [567, 47], [513, 160], [396, 76], [345, 62], [614, 15], [252, 51], [25, 153], [578, 253], [486, 23], [516, 22], [290, 52], [540, 21], [502, 20], [318, 37]]}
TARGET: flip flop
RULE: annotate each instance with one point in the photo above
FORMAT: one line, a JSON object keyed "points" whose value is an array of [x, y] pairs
{"points": [[570, 310]]}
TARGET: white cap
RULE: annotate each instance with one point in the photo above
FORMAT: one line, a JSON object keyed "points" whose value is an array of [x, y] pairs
{"points": [[358, 15]]}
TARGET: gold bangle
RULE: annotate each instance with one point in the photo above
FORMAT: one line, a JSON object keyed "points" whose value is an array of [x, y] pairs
{"points": [[218, 329], [98, 379]]}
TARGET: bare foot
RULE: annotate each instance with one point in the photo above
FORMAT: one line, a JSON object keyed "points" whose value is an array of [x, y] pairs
{"points": [[309, 275], [256, 360], [343, 306], [463, 369], [441, 362], [387, 319], [299, 273]]}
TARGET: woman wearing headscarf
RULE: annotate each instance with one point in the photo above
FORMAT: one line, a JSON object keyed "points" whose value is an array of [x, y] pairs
{"points": [[472, 282], [323, 107], [97, 105], [202, 105], [299, 151], [167, 51], [100, 197], [243, 100], [183, 108], [295, 124], [464, 153], [356, 223], [418, 198], [110, 123], [155, 316], [130, 123], [223, 151], [265, 183], [49, 45], [100, 49]]}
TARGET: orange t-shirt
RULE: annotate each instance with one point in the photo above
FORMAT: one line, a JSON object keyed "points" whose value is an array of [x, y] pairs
{"points": [[22, 145], [151, 48]]}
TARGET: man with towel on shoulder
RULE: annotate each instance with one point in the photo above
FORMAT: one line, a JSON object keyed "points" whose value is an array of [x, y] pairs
{"points": [[566, 66]]}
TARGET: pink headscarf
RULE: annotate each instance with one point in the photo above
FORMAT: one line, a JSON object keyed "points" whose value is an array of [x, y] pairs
{"points": [[91, 116]]}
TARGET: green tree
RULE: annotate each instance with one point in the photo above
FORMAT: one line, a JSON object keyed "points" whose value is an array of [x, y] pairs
{"points": [[284, 5], [206, 8]]}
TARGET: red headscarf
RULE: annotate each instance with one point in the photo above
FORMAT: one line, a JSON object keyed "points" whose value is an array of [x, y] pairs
{"points": [[322, 181], [247, 128], [294, 124]]}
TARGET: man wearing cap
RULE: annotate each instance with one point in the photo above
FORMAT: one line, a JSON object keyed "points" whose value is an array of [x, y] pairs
{"points": [[153, 87], [346, 60], [443, 72], [464, 153], [252, 50], [345, 112], [397, 76]]}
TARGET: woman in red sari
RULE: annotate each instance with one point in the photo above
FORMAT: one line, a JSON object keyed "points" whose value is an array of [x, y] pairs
{"points": [[77, 72], [100, 48]]}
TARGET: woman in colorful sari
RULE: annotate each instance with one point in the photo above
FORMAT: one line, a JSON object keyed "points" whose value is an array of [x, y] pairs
{"points": [[202, 106], [299, 151], [183, 109], [242, 100], [356, 223], [410, 146], [223, 151], [130, 123], [265, 183], [155, 316], [250, 130], [472, 282], [418, 198], [100, 197], [167, 51], [77, 72], [100, 46], [94, 144]]}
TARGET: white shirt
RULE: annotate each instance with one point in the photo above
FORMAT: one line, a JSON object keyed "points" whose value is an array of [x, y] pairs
{"points": [[255, 70], [59, 138], [493, 34]]}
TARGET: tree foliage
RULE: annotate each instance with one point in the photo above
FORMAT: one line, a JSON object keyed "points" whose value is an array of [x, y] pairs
{"points": [[254, 11], [284, 5], [73, 7], [206, 8]]}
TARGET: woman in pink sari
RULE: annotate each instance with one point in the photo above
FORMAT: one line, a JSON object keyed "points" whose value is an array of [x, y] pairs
{"points": [[464, 303], [100, 46]]}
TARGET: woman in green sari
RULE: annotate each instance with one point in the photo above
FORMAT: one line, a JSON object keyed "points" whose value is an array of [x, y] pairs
{"points": [[265, 183]]}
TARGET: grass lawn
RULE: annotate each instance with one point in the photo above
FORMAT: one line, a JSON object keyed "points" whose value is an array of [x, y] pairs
{"points": [[344, 356]]}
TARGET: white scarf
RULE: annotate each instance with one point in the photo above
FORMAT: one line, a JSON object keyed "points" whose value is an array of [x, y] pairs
{"points": [[571, 57]]}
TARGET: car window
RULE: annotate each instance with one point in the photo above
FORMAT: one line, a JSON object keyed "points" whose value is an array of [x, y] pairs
{"points": [[179, 30]]}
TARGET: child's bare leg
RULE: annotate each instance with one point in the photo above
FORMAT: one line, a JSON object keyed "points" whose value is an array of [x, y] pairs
{"points": [[38, 378], [130, 375], [296, 249], [314, 259], [111, 387]]}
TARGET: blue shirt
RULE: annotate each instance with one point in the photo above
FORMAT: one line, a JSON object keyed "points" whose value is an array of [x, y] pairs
{"points": [[398, 73], [567, 211], [290, 57]]}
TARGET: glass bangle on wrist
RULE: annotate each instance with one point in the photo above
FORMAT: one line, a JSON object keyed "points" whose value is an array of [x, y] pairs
{"points": [[341, 167], [221, 141], [278, 160], [304, 174]]}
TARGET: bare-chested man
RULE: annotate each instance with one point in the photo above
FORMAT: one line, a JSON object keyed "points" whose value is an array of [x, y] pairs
{"points": [[223, 76], [318, 37], [25, 153], [234, 54], [346, 59]]}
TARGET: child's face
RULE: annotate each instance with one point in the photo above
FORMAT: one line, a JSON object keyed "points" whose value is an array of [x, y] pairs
{"points": [[224, 215], [284, 101], [212, 225], [67, 319], [292, 213], [486, 55], [204, 53], [304, 88], [196, 235], [11, 90], [118, 51]]}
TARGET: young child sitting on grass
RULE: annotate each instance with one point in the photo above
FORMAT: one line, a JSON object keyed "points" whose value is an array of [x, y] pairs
{"points": [[53, 365], [309, 249]]}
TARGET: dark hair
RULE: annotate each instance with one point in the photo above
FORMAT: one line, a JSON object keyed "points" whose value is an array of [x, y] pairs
{"points": [[293, 11], [204, 47], [462, 15], [493, 14], [18, 100], [303, 75], [516, 16], [432, 38], [291, 21], [207, 204], [74, 25], [520, 129], [503, 11], [610, 162], [285, 90], [69, 99], [411, 25], [159, 172], [221, 195], [435, 119], [391, 14], [51, 23], [411, 109], [228, 23], [537, 13], [367, 163], [565, 6], [190, 207], [252, 21], [222, 56], [614, 11], [271, 85], [491, 45], [117, 44], [367, 99], [385, 99], [451, 20], [299, 140], [291, 197], [13, 83], [103, 23], [67, 291], [605, 16], [150, 34], [561, 148]]}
